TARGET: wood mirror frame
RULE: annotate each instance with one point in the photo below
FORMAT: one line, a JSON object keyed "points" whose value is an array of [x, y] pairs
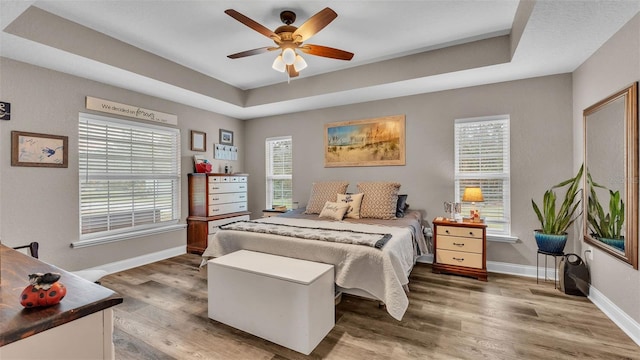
{"points": [[611, 154]]}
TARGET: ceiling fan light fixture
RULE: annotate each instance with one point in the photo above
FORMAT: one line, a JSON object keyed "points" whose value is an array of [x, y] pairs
{"points": [[299, 64], [278, 64], [288, 56]]}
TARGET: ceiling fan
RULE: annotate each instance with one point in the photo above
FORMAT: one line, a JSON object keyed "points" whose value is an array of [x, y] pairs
{"points": [[289, 38]]}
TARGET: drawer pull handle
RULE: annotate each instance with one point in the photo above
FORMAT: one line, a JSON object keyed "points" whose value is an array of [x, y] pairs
{"points": [[458, 259], [447, 231], [458, 244], [215, 209], [215, 188], [214, 199], [471, 233]]}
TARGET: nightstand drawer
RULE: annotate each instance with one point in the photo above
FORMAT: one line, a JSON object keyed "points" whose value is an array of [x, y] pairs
{"points": [[455, 243], [459, 258], [460, 231]]}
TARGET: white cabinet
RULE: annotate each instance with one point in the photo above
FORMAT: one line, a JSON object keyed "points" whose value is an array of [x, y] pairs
{"points": [[287, 301]]}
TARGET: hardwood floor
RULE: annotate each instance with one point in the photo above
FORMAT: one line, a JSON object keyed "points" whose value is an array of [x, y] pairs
{"points": [[164, 316]]}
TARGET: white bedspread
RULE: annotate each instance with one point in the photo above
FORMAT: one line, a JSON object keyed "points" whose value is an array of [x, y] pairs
{"points": [[380, 272]]}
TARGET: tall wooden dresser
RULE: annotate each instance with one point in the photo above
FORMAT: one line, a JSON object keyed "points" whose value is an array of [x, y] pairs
{"points": [[460, 248], [214, 200]]}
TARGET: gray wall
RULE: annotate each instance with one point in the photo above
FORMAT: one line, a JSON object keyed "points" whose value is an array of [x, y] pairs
{"points": [[41, 204], [613, 67], [541, 149]]}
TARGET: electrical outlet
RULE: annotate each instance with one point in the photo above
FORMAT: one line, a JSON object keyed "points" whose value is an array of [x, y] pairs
{"points": [[589, 252]]}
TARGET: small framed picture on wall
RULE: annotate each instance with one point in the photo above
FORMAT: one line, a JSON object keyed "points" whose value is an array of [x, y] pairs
{"points": [[226, 137], [198, 141]]}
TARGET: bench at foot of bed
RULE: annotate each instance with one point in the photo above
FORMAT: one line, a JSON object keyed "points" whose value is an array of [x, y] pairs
{"points": [[287, 301]]}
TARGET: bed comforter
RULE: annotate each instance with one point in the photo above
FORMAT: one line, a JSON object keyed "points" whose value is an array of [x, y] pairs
{"points": [[383, 273]]}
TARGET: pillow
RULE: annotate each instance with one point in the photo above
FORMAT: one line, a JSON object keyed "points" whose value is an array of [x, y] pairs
{"points": [[402, 206], [380, 199], [321, 192], [354, 201], [334, 210]]}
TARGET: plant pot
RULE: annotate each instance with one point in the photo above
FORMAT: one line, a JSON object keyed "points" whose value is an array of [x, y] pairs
{"points": [[550, 243], [616, 243]]}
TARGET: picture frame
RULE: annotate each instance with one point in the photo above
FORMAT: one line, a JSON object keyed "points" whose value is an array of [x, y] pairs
{"points": [[198, 141], [39, 150], [226, 137], [368, 142]]}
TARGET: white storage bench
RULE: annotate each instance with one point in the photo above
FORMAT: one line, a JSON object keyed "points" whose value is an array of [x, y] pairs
{"points": [[287, 301]]}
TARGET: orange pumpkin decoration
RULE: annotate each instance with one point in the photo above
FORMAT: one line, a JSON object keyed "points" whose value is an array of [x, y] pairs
{"points": [[43, 291]]}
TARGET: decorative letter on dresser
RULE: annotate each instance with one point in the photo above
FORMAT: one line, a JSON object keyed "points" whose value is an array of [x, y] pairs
{"points": [[460, 248], [214, 200]]}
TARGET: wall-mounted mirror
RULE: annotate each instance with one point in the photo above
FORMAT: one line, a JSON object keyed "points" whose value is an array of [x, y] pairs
{"points": [[611, 176]]}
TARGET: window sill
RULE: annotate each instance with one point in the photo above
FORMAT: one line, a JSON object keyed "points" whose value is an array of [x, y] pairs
{"points": [[502, 238], [125, 236]]}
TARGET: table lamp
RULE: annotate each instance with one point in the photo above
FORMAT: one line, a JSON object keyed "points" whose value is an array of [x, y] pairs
{"points": [[473, 195]]}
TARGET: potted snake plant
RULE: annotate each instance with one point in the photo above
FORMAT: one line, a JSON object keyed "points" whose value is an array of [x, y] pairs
{"points": [[606, 227], [552, 235]]}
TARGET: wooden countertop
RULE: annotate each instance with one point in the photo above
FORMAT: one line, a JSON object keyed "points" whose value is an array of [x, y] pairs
{"points": [[16, 323]]}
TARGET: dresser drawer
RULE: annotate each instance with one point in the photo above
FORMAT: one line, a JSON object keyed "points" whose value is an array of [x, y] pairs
{"points": [[219, 179], [214, 224], [224, 198], [460, 231], [459, 258], [459, 244], [217, 188], [219, 209]]}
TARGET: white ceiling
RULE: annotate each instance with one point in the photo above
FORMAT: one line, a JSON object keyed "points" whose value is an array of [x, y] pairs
{"points": [[558, 37]]}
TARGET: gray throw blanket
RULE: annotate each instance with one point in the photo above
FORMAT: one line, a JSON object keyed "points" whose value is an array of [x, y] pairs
{"points": [[322, 234]]}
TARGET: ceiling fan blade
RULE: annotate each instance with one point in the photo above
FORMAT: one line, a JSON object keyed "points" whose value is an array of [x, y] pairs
{"points": [[252, 24], [257, 51], [292, 71], [326, 51], [315, 23]]}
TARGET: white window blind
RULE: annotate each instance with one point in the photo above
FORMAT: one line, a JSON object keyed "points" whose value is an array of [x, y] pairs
{"points": [[129, 176], [482, 152], [279, 171]]}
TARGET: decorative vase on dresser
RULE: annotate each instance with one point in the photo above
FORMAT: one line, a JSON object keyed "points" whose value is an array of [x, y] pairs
{"points": [[214, 200], [460, 248]]}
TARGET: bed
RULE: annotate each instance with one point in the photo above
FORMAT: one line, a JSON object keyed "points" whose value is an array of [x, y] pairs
{"points": [[374, 270]]}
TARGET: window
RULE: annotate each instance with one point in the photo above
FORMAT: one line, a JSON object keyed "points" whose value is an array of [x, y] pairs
{"points": [[279, 179], [129, 178], [482, 159]]}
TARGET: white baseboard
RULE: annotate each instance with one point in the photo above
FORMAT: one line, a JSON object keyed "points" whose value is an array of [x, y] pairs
{"points": [[619, 317], [126, 264], [613, 312]]}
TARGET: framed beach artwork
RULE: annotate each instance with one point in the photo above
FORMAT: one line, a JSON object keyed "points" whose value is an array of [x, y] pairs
{"points": [[370, 142], [41, 150]]}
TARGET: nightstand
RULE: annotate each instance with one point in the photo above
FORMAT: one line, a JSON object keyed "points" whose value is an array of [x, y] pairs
{"points": [[460, 248]]}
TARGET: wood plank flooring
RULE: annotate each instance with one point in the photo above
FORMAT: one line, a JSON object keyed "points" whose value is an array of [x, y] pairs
{"points": [[164, 316]]}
